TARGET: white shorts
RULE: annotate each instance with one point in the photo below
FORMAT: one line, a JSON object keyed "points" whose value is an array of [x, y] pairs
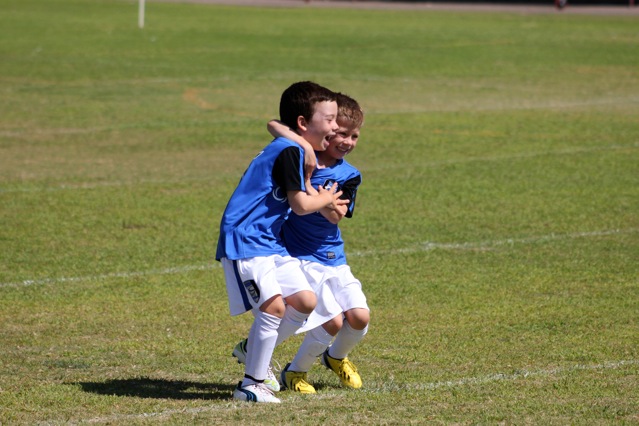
{"points": [[251, 282], [337, 291]]}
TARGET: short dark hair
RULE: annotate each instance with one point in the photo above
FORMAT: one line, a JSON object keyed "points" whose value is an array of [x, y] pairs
{"points": [[300, 99]]}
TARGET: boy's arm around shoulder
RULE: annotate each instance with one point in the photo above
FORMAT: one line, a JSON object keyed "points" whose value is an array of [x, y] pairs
{"points": [[278, 129]]}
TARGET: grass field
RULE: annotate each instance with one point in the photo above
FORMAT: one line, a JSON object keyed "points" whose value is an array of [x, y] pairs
{"points": [[496, 233]]}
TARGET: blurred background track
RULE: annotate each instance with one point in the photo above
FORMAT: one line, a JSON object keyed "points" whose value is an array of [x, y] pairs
{"points": [[620, 7]]}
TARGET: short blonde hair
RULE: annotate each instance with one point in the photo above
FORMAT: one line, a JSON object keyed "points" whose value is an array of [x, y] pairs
{"points": [[349, 110]]}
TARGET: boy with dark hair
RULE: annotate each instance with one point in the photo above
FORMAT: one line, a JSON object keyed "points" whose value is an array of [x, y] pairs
{"points": [[260, 274]]}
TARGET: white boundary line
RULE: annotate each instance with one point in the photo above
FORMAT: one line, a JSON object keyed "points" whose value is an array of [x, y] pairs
{"points": [[385, 388], [489, 244], [107, 184], [521, 374], [133, 274], [425, 246]]}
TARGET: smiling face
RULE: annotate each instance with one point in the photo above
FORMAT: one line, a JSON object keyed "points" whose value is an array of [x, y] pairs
{"points": [[340, 144], [321, 127]]}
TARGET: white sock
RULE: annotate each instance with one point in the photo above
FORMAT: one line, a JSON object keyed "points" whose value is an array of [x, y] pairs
{"points": [[346, 340], [260, 346], [315, 343], [291, 322]]}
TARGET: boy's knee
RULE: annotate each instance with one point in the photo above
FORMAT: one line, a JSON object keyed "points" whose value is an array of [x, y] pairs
{"points": [[274, 306], [334, 325], [303, 301], [358, 318]]}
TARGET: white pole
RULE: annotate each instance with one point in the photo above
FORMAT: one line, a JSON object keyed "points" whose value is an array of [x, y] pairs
{"points": [[141, 14]]}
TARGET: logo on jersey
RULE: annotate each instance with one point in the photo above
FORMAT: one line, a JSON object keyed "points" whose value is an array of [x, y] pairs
{"points": [[328, 183], [331, 255], [253, 290], [278, 194]]}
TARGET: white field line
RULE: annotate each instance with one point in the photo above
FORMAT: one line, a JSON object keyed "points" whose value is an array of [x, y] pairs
{"points": [[133, 274], [489, 244], [381, 388], [107, 184], [567, 151], [521, 374], [425, 246]]}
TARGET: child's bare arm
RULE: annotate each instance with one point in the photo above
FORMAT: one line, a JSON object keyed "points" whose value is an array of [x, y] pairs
{"points": [[309, 187], [336, 214], [278, 129], [303, 203]]}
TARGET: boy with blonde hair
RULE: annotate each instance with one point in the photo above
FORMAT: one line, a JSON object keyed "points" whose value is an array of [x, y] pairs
{"points": [[342, 312]]}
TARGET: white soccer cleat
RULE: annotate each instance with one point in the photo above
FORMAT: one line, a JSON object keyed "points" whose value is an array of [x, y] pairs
{"points": [[255, 393], [239, 352]]}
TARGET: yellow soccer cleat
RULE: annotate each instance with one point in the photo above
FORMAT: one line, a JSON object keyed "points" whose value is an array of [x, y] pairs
{"points": [[345, 369], [295, 381]]}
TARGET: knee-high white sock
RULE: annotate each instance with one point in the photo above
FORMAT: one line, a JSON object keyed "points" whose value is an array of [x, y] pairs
{"points": [[315, 342], [260, 346], [291, 322], [346, 340]]}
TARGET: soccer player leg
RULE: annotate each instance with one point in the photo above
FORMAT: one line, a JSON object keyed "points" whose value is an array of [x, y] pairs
{"points": [[335, 357], [261, 344], [348, 292], [350, 335], [298, 295], [261, 339], [315, 342], [257, 277], [294, 375]]}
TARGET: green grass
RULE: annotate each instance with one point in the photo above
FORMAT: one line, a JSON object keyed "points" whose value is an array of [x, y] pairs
{"points": [[496, 232]]}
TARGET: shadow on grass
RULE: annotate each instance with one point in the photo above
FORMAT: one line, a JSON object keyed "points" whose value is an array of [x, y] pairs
{"points": [[159, 388]]}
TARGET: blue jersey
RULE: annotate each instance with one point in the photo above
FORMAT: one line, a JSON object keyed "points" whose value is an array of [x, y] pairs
{"points": [[257, 209], [312, 237]]}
